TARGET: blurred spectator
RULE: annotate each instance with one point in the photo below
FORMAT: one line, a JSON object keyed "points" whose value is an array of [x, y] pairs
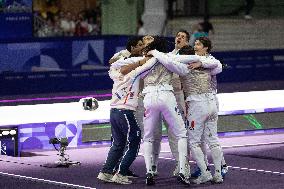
{"points": [[57, 31], [87, 22], [93, 28], [249, 7], [140, 28], [197, 32], [66, 24], [72, 23], [81, 26], [207, 26], [47, 29]]}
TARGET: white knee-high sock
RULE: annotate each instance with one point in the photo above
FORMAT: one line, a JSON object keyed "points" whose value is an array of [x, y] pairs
{"points": [[148, 151], [156, 152], [182, 151], [173, 142], [217, 156], [199, 157], [204, 150]]}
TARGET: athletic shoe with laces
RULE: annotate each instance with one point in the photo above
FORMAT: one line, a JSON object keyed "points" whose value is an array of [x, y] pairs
{"points": [[150, 179], [187, 170], [130, 174], [155, 170], [197, 172], [182, 179], [120, 179], [217, 178], [224, 170], [205, 177], [106, 177]]}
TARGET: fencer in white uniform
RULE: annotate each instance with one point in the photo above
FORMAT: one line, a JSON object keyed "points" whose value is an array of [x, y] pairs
{"points": [[181, 39], [126, 133], [119, 59], [212, 65], [203, 115], [199, 88], [159, 99]]}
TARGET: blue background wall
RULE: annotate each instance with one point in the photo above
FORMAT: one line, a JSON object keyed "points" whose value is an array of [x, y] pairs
{"points": [[68, 55]]}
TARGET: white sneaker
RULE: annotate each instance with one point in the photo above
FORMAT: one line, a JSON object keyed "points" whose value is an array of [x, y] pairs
{"points": [[120, 179], [182, 179], [224, 170], [205, 177], [218, 179], [187, 170], [105, 177]]}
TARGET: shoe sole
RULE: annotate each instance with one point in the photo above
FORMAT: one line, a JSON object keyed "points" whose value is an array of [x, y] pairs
{"points": [[122, 182], [150, 182], [214, 182], [202, 182], [132, 177], [105, 180], [182, 181]]}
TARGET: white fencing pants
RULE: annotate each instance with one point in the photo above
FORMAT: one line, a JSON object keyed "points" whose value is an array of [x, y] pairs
{"points": [[202, 118], [157, 133], [163, 102], [173, 142]]}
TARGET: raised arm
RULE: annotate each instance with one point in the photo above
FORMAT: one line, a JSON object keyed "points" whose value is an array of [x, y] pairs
{"points": [[128, 68], [209, 62], [138, 72], [185, 59], [144, 69], [125, 61], [121, 54], [213, 65], [216, 70], [169, 63]]}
